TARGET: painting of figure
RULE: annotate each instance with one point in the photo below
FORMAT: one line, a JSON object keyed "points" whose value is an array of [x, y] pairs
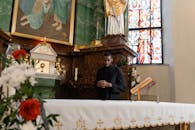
{"points": [[53, 19]]}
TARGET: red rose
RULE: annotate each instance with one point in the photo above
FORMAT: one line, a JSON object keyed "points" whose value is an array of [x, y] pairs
{"points": [[30, 109], [19, 54]]}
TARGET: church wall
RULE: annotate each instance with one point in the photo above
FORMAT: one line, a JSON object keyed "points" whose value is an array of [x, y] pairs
{"points": [[163, 74], [160, 75], [178, 48], [184, 46], [168, 56]]}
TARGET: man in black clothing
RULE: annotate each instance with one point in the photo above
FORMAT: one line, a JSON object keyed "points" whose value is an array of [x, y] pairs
{"points": [[109, 80]]}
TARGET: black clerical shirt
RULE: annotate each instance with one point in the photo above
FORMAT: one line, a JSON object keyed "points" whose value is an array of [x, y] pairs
{"points": [[113, 75]]}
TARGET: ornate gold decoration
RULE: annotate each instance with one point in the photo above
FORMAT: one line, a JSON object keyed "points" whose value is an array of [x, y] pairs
{"points": [[60, 69], [45, 57], [133, 120], [100, 123], [80, 124], [117, 121], [115, 7], [96, 43], [42, 65]]}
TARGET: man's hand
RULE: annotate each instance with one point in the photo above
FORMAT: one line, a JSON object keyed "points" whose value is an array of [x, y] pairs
{"points": [[103, 84]]}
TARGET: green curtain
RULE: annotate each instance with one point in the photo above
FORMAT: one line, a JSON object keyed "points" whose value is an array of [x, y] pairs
{"points": [[5, 14], [89, 21]]}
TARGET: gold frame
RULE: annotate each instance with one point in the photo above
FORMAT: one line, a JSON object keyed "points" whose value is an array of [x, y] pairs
{"points": [[71, 30]]}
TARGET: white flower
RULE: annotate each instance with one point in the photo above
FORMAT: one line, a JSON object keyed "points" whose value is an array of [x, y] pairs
{"points": [[16, 78], [138, 79], [133, 83], [32, 81], [28, 126], [13, 76], [30, 72], [134, 73], [8, 91], [39, 120]]}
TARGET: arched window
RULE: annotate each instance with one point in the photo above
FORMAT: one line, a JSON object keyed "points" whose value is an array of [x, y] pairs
{"points": [[145, 30]]}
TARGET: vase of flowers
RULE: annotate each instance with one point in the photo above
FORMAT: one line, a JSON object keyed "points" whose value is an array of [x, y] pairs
{"points": [[20, 109], [135, 77]]}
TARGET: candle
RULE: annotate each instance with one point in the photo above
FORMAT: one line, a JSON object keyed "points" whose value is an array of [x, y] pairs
{"points": [[76, 74]]}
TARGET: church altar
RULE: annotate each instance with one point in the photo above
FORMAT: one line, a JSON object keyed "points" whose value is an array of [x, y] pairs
{"points": [[113, 114]]}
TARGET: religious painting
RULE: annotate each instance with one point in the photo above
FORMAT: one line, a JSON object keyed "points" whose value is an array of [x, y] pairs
{"points": [[5, 14], [50, 19]]}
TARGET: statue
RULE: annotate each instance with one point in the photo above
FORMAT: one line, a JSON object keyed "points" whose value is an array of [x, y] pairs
{"points": [[114, 21]]}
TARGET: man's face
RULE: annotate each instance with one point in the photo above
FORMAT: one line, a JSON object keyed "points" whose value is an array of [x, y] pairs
{"points": [[108, 60]]}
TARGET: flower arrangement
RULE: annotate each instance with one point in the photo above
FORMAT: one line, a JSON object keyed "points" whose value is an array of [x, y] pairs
{"points": [[135, 78], [19, 108]]}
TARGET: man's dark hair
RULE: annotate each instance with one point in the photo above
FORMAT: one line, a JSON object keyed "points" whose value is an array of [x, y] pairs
{"points": [[107, 54]]}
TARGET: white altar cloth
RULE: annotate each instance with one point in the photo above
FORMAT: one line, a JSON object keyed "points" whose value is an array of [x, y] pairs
{"points": [[110, 114]]}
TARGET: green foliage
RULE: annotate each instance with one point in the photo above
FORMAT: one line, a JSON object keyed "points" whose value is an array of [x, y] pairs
{"points": [[5, 62]]}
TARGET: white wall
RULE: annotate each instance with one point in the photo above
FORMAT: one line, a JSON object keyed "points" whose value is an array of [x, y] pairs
{"points": [[183, 26], [168, 54]]}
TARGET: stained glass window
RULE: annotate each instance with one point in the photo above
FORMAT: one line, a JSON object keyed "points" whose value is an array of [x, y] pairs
{"points": [[145, 30]]}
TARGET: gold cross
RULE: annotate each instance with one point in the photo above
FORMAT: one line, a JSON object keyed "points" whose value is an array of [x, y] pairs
{"points": [[117, 121], [100, 122], [80, 123], [58, 125]]}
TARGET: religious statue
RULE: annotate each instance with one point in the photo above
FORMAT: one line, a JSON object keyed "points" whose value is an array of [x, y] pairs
{"points": [[114, 21]]}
